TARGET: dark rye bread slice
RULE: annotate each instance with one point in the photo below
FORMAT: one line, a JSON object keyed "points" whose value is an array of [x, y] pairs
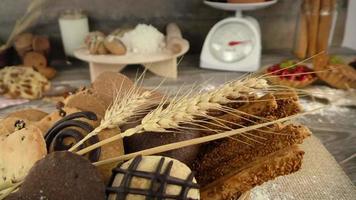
{"points": [[243, 115], [213, 161], [287, 103], [280, 163], [233, 154]]}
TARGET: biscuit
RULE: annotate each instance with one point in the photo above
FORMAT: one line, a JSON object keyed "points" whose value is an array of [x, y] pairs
{"points": [[108, 84], [47, 122], [16, 81], [86, 101], [167, 178], [29, 114], [19, 152]]}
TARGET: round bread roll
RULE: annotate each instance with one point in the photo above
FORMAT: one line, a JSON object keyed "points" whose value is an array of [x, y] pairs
{"points": [[153, 177], [114, 45], [91, 36]]}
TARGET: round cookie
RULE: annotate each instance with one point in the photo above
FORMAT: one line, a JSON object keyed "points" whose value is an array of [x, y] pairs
{"points": [[91, 36], [153, 177], [86, 101], [19, 152], [107, 84], [29, 114], [47, 122], [95, 43], [7, 125], [73, 127], [59, 176]]}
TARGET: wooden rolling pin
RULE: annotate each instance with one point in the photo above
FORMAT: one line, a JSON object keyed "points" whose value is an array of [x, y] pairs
{"points": [[313, 22], [325, 21], [301, 43]]}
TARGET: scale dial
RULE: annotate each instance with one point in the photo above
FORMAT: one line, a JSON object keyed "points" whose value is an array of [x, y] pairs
{"points": [[232, 42]]}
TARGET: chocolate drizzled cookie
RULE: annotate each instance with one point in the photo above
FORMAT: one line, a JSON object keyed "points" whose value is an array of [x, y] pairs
{"points": [[66, 131], [152, 177]]}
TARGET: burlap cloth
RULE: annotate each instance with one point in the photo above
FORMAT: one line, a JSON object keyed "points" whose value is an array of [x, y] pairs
{"points": [[321, 177]]}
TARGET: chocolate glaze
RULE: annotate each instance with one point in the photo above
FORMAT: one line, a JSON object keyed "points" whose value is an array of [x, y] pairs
{"points": [[64, 129], [159, 182]]}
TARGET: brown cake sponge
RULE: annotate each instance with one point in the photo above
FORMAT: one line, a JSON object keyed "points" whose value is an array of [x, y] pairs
{"points": [[282, 162]]}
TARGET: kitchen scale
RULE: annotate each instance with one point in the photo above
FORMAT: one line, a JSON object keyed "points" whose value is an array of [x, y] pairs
{"points": [[234, 43]]}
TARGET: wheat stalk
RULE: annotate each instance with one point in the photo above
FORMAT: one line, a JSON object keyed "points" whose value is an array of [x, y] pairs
{"points": [[33, 12], [6, 191], [124, 107], [187, 108], [177, 145]]}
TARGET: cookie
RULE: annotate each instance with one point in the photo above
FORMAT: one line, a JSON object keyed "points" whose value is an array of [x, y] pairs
{"points": [[24, 82], [86, 101], [110, 150], [29, 114], [108, 84], [91, 36], [114, 45], [48, 72], [35, 59], [71, 129], [95, 43], [19, 152], [23, 43], [41, 44], [59, 176], [153, 177], [8, 125], [47, 122]]}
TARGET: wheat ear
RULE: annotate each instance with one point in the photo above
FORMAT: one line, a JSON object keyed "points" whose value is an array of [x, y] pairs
{"points": [[177, 145], [124, 107], [186, 108]]}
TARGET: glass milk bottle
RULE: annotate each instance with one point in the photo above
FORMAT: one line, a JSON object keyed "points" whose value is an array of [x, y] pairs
{"points": [[74, 28]]}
